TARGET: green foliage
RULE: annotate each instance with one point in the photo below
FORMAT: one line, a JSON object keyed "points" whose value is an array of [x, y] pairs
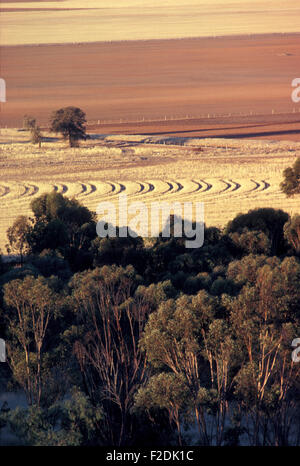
{"points": [[51, 263], [120, 342], [264, 320], [65, 225], [221, 286], [120, 251], [30, 305], [176, 326], [268, 221], [55, 206], [155, 294], [107, 345], [36, 135], [245, 271], [17, 236], [70, 423], [292, 233], [29, 122], [70, 122], [59, 224], [252, 242], [291, 179], [14, 273], [165, 391]]}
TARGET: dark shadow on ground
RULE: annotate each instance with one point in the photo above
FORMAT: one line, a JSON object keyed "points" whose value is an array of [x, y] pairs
{"points": [[223, 129]]}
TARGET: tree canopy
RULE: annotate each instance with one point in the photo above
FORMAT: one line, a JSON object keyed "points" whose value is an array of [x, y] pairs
{"points": [[117, 341], [70, 122], [291, 179]]}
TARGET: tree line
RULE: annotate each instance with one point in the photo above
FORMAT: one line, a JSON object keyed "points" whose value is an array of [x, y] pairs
{"points": [[118, 342]]}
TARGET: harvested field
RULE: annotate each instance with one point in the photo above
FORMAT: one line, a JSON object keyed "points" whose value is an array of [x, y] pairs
{"points": [[229, 176]]}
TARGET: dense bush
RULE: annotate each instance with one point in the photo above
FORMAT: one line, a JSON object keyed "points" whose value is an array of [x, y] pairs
{"points": [[115, 342], [291, 179]]}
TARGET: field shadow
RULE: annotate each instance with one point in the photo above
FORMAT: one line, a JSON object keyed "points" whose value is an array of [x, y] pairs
{"points": [[98, 137], [15, 142], [258, 134], [230, 128], [50, 139], [44, 139]]}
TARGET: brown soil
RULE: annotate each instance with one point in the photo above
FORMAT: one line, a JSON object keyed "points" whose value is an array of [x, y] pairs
{"points": [[273, 127], [154, 79]]}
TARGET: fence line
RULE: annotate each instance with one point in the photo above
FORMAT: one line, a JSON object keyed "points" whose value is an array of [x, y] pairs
{"points": [[181, 117]]}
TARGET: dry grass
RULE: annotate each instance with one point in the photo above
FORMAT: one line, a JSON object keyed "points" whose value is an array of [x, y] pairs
{"points": [[229, 176]]}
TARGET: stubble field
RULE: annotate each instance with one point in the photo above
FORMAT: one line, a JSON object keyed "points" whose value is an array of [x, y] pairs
{"points": [[229, 176]]}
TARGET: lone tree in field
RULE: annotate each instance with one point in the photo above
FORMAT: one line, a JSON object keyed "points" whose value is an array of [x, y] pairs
{"points": [[70, 122], [30, 123], [36, 136], [291, 182]]}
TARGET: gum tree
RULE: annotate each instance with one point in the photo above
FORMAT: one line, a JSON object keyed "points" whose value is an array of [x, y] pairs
{"points": [[30, 305], [70, 122], [265, 319], [291, 182], [110, 324]]}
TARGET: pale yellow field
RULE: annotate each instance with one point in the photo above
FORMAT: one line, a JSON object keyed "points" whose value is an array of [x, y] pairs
{"points": [[105, 20], [229, 176]]}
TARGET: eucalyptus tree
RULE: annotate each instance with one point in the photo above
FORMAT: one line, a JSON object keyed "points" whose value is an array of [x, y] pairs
{"points": [[265, 319], [30, 306], [71, 123], [110, 322]]}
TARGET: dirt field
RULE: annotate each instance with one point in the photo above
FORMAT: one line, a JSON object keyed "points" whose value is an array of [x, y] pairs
{"points": [[132, 80], [229, 176], [279, 127]]}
